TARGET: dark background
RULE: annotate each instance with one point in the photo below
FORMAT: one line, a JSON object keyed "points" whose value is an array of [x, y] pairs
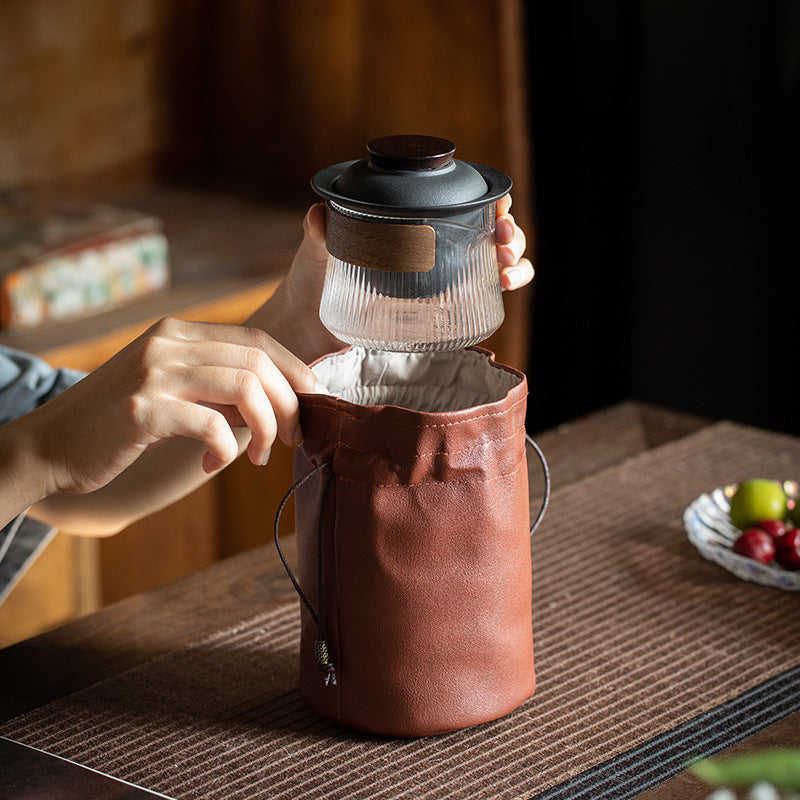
{"points": [[665, 140]]}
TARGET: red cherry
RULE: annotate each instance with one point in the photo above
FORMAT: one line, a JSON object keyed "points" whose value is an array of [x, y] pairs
{"points": [[756, 544], [774, 527], [787, 549]]}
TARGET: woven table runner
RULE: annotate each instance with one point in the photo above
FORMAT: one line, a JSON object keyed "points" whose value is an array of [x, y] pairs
{"points": [[641, 647]]}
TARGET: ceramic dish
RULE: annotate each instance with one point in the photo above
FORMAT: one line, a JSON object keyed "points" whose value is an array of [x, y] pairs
{"points": [[708, 525]]}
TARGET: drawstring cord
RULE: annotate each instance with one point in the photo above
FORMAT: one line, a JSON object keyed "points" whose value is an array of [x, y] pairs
{"points": [[321, 651], [546, 471]]}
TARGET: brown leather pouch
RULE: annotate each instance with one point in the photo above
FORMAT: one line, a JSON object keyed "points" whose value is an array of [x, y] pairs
{"points": [[414, 561]]}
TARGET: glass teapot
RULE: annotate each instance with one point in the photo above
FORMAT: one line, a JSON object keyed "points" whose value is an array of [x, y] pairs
{"points": [[410, 233]]}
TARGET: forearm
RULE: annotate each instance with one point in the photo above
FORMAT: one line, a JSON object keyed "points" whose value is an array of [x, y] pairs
{"points": [[291, 315], [273, 318], [302, 334], [160, 477]]}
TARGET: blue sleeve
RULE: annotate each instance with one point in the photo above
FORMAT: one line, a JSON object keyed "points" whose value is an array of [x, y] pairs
{"points": [[26, 382], [21, 541]]}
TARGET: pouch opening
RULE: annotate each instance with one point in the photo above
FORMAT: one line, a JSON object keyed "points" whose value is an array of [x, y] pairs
{"points": [[430, 382]]}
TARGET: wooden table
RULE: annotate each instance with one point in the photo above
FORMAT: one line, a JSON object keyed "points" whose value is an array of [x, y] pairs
{"points": [[153, 623]]}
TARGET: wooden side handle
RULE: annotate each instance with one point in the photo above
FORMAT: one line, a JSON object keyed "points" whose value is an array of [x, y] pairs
{"points": [[380, 245]]}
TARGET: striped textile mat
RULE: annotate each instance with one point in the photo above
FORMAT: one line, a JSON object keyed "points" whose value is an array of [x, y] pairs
{"points": [[646, 655]]}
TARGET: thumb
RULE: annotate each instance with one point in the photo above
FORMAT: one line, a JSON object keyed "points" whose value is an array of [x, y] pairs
{"points": [[314, 233]]}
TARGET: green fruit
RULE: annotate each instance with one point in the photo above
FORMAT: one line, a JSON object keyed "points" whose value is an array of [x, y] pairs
{"points": [[756, 500], [794, 514]]}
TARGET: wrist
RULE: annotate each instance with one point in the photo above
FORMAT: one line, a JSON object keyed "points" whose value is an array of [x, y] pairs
{"points": [[26, 474], [299, 331]]}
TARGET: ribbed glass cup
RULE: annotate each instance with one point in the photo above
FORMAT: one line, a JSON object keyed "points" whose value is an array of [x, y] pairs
{"points": [[457, 304]]}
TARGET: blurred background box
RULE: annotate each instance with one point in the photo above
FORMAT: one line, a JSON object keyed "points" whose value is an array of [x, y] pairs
{"points": [[70, 262]]}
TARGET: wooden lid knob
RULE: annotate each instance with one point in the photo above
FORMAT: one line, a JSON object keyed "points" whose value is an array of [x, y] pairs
{"points": [[411, 152]]}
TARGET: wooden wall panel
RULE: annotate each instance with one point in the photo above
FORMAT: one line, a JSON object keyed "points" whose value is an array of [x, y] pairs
{"points": [[301, 85], [256, 93], [174, 542], [249, 497], [80, 108], [46, 596]]}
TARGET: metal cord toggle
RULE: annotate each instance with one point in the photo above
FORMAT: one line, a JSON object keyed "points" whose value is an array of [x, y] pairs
{"points": [[321, 651]]}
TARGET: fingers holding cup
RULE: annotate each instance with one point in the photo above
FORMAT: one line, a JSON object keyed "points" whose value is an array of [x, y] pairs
{"points": [[510, 241]]}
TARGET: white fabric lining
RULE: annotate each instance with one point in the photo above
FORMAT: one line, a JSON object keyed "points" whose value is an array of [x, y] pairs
{"points": [[431, 382]]}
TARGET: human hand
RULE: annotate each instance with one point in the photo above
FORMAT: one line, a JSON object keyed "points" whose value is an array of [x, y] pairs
{"points": [[292, 313], [515, 271], [306, 278], [178, 379]]}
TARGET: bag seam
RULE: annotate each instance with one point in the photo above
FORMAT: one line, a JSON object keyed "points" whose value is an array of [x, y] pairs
{"points": [[472, 482], [414, 425], [416, 456]]}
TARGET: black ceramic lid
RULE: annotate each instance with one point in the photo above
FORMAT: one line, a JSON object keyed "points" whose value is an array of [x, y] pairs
{"points": [[411, 176]]}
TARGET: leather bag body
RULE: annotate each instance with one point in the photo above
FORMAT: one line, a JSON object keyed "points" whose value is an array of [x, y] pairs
{"points": [[414, 541]]}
